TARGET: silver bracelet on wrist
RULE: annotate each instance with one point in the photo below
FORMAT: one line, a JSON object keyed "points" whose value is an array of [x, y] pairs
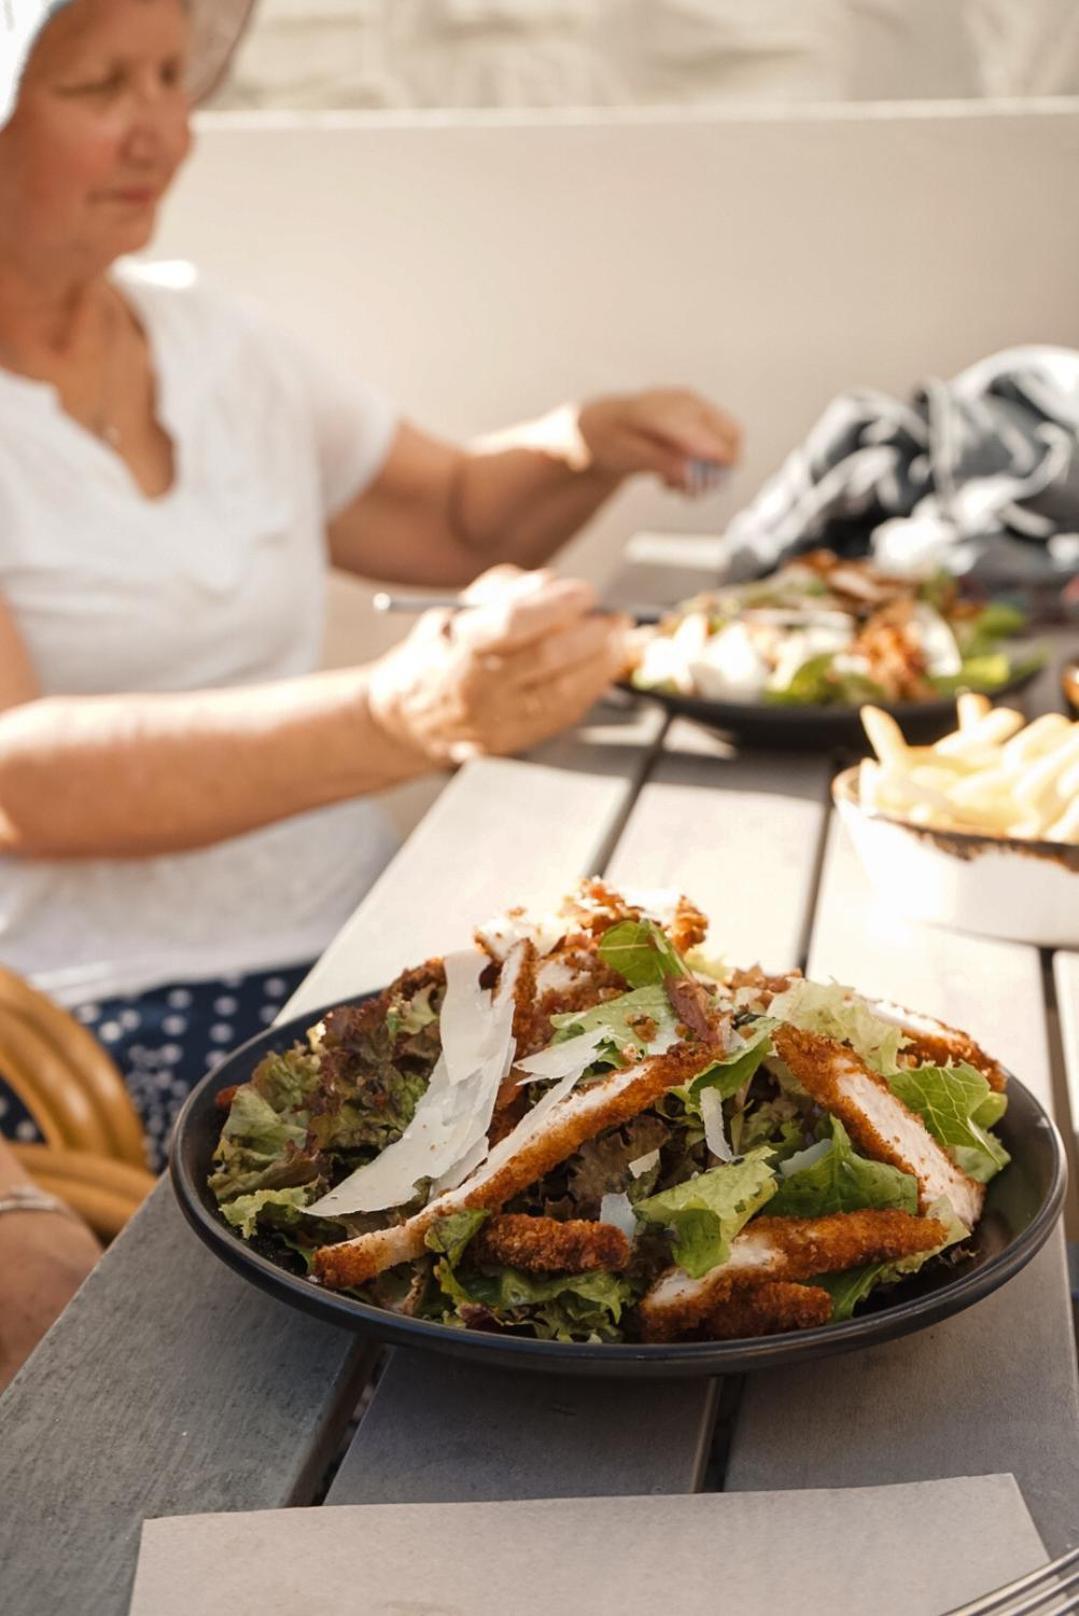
{"points": [[27, 1198]]}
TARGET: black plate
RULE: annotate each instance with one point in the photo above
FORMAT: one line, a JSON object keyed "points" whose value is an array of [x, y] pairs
{"points": [[1021, 1208], [815, 727]]}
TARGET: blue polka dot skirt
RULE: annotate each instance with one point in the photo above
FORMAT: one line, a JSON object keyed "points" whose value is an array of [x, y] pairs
{"points": [[165, 1041]]}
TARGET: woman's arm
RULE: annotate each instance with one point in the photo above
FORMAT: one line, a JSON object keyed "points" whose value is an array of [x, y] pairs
{"points": [[133, 775], [439, 514], [44, 1258]]}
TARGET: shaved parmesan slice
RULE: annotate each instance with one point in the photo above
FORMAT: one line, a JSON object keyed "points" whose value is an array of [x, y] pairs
{"points": [[644, 1164], [555, 976], [938, 644], [543, 931], [616, 1209], [574, 1056], [655, 903], [729, 664], [805, 1158], [447, 1137], [464, 1024], [460, 1170], [715, 1133]]}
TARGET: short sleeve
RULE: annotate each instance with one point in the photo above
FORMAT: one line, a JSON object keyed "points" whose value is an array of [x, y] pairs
{"points": [[353, 424]]}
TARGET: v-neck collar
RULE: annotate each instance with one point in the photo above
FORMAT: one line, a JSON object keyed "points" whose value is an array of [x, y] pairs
{"points": [[45, 394]]}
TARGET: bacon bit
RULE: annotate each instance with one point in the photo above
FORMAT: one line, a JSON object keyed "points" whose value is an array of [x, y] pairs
{"points": [[645, 1027], [694, 1005], [224, 1099]]}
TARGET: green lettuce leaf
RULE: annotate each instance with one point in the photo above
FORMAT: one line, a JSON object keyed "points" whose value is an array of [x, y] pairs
{"points": [[705, 1213], [854, 1285], [259, 1148], [980, 635], [450, 1235], [560, 1307], [824, 1008], [729, 1075], [832, 1177], [818, 682], [267, 1208], [624, 1022], [949, 1100], [641, 953], [407, 1017], [287, 1081]]}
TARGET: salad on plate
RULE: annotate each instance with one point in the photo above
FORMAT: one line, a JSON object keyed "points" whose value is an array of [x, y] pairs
{"points": [[823, 631], [583, 1129]]}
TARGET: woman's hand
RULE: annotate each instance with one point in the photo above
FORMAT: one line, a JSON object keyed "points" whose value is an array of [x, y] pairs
{"points": [[44, 1258], [525, 659], [670, 432]]}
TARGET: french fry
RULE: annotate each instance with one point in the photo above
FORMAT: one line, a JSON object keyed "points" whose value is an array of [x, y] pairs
{"points": [[991, 776], [885, 735], [991, 730], [971, 706]]}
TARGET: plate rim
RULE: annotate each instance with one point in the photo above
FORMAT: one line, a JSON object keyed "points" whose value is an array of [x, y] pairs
{"points": [[645, 1359], [720, 712]]}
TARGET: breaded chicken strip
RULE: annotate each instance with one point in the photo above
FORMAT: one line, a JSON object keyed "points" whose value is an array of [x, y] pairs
{"points": [[934, 1042], [547, 1246], [510, 1169], [784, 1249], [770, 1309], [876, 1119]]}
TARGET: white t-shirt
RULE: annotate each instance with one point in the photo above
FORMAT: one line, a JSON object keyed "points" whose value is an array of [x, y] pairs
{"points": [[219, 582]]}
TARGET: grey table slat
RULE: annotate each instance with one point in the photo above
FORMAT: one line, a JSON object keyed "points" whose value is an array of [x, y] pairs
{"points": [[993, 1388], [440, 1430], [739, 835], [503, 832], [167, 1387]]}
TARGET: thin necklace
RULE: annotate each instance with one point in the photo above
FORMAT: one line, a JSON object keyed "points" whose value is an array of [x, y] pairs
{"points": [[102, 426]]}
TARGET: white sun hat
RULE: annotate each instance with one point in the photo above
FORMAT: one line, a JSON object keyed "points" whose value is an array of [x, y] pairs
{"points": [[218, 26]]}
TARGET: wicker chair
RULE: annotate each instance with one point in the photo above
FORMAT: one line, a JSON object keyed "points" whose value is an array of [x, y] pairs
{"points": [[93, 1156]]}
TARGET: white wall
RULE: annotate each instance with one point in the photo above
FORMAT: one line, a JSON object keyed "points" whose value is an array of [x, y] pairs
{"points": [[482, 268]]}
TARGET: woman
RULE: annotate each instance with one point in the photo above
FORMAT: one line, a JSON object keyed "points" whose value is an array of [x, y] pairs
{"points": [[181, 818]]}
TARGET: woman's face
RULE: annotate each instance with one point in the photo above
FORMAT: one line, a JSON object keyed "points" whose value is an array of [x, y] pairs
{"points": [[99, 131]]}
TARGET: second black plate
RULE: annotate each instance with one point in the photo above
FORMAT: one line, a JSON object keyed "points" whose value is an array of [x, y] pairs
{"points": [[813, 727]]}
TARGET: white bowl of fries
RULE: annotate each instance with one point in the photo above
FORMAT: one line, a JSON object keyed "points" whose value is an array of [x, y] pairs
{"points": [[980, 831]]}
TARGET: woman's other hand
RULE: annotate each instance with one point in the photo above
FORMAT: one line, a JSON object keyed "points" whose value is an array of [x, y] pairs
{"points": [[526, 658], [670, 432]]}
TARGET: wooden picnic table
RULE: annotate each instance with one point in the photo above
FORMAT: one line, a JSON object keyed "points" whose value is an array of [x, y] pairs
{"points": [[170, 1386]]}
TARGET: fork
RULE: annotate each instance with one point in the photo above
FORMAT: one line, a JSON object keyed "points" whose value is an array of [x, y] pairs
{"points": [[1051, 1591], [704, 476]]}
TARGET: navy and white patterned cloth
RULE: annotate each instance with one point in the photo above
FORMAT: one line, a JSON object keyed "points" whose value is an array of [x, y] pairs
{"points": [[979, 474], [166, 1040]]}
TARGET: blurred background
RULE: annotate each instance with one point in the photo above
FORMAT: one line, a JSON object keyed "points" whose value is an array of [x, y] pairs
{"points": [[573, 53], [491, 206]]}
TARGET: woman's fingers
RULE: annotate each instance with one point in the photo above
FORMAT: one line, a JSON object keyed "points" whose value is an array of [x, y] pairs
{"points": [[580, 641], [522, 613]]}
